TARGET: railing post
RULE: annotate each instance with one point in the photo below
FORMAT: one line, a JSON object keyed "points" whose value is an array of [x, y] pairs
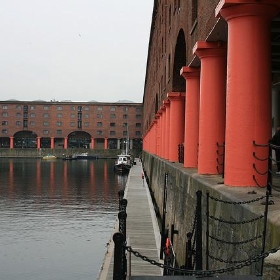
{"points": [[121, 195], [163, 235], [118, 269], [123, 204], [188, 262], [198, 232], [122, 223], [269, 169]]}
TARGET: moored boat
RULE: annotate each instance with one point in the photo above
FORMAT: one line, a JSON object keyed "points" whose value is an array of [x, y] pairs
{"points": [[123, 164], [49, 157]]}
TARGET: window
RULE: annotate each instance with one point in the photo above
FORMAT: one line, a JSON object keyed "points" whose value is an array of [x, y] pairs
{"points": [[79, 116], [112, 133], [125, 116], [59, 123], [137, 133], [125, 124], [86, 108], [124, 133], [59, 115], [18, 107], [138, 124], [99, 124], [46, 107], [4, 114], [4, 131], [25, 115], [125, 109], [59, 131], [25, 108], [72, 124], [86, 116], [32, 123], [59, 108], [4, 107], [79, 124], [138, 116], [99, 132], [45, 132], [25, 123], [112, 124], [72, 116], [99, 116], [112, 116], [32, 107], [4, 123], [113, 109], [18, 115], [86, 124], [17, 123], [32, 115], [138, 109], [99, 108], [45, 123], [79, 108], [46, 115], [73, 108]]}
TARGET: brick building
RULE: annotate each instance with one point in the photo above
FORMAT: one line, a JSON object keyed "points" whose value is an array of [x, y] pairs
{"points": [[93, 125], [212, 80]]}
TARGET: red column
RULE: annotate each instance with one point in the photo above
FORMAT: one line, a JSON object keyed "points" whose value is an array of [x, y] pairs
{"points": [[176, 128], [248, 88], [65, 143], [105, 143], [163, 129], [191, 116], [11, 142], [167, 129], [92, 143], [38, 142], [158, 137], [52, 142], [212, 103]]}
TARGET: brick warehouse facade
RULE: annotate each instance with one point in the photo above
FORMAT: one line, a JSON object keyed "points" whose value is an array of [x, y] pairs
{"points": [[93, 125], [213, 70]]}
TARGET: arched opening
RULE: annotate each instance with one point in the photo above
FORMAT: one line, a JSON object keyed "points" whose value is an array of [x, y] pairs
{"points": [[25, 139], [79, 139], [178, 82]]}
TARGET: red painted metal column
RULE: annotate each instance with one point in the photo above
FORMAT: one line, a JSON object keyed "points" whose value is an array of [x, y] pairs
{"points": [[163, 131], [11, 142], [105, 143], [212, 103], [158, 137], [65, 143], [248, 88], [92, 143], [177, 123], [38, 142], [52, 142], [192, 76], [167, 129]]}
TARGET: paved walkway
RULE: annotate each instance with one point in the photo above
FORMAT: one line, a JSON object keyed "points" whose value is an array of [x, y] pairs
{"points": [[142, 229]]}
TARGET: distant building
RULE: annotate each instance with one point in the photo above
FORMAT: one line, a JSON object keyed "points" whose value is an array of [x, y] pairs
{"points": [[92, 125]]}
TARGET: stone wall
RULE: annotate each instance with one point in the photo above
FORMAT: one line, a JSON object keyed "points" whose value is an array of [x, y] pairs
{"points": [[182, 186]]}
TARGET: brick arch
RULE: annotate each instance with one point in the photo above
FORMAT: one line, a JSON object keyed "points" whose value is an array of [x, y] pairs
{"points": [[178, 82]]}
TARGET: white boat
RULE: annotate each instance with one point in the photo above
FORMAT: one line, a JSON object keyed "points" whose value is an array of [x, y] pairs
{"points": [[123, 163]]}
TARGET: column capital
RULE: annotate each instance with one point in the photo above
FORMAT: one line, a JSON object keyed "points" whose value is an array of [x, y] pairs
{"points": [[189, 72], [206, 49], [175, 96], [236, 8]]}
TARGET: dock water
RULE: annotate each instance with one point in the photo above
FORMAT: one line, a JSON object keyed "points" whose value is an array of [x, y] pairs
{"points": [[141, 228]]}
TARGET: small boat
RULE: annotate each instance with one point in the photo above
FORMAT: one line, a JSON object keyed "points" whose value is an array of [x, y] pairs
{"points": [[85, 156], [123, 164], [69, 157], [49, 157]]}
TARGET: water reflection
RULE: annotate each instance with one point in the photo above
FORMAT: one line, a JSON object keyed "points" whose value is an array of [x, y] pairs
{"points": [[56, 217]]}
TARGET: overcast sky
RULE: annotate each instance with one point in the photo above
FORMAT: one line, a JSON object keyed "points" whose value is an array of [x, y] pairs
{"points": [[79, 50]]}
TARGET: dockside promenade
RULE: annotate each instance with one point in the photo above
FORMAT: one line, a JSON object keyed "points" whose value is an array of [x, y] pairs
{"points": [[141, 227]]}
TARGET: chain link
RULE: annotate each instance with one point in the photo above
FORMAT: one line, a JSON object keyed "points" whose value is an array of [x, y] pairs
{"points": [[237, 203], [236, 223], [235, 243], [205, 272]]}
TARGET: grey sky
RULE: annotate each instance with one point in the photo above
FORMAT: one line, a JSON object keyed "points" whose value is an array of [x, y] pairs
{"points": [[79, 50]]}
